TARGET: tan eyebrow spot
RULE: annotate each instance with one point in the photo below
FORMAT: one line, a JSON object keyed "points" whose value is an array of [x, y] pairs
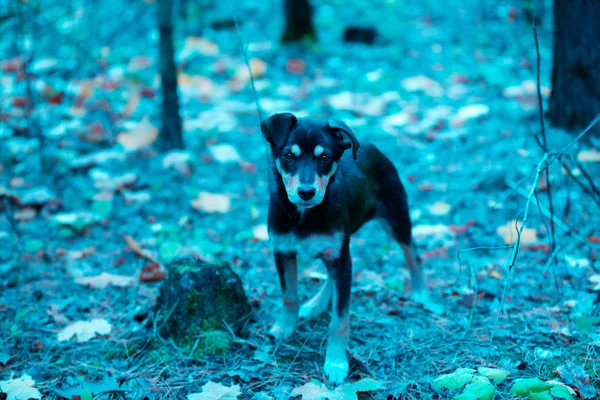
{"points": [[296, 150], [319, 150]]}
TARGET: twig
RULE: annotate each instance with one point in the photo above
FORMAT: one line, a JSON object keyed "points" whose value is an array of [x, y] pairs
{"points": [[243, 48], [256, 101], [559, 224], [515, 250], [545, 148], [585, 188], [550, 260], [553, 157], [593, 189]]}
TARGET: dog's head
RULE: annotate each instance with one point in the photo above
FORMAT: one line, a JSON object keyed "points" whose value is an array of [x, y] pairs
{"points": [[307, 152]]}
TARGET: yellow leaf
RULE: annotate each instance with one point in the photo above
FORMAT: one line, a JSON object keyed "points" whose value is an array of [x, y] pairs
{"points": [[211, 202], [144, 134], [509, 233]]}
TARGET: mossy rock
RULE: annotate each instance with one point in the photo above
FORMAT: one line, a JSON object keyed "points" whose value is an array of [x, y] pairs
{"points": [[195, 301]]}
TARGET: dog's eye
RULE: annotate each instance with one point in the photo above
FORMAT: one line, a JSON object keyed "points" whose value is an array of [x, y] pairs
{"points": [[288, 156], [324, 158]]}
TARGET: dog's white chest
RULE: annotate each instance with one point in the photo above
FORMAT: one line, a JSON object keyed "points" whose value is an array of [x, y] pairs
{"points": [[317, 245]]}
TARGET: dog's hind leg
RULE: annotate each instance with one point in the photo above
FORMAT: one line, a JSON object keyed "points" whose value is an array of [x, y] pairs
{"points": [[285, 325], [392, 212]]}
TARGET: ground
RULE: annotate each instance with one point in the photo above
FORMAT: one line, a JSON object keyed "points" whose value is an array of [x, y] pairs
{"points": [[449, 95]]}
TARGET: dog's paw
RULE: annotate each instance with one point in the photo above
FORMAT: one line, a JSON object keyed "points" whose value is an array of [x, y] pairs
{"points": [[282, 330], [336, 370]]}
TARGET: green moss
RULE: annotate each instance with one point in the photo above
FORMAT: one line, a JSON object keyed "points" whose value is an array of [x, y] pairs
{"points": [[191, 301]]}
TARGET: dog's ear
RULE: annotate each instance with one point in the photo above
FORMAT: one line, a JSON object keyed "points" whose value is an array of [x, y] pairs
{"points": [[277, 127], [344, 134]]}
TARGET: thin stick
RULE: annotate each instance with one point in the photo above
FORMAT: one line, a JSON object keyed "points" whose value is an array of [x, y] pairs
{"points": [[515, 251], [243, 48], [545, 148]]}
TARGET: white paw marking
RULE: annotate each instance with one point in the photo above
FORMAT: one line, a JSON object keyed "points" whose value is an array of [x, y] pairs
{"points": [[282, 332], [336, 370]]}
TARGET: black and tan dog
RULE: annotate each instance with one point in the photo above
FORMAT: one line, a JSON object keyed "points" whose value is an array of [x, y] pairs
{"points": [[320, 196]]}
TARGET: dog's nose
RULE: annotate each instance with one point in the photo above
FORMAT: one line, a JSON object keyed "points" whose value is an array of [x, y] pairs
{"points": [[306, 193]]}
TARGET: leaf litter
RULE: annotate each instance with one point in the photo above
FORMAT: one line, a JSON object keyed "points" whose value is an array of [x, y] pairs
{"points": [[438, 120]]}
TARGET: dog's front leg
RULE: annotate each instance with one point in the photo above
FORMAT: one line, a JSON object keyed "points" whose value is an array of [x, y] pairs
{"points": [[336, 360], [288, 277]]}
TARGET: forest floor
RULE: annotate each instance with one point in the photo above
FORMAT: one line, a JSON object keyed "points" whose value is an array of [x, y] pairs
{"points": [[88, 200]]}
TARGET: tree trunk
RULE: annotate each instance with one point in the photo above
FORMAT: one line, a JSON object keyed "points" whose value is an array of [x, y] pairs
{"points": [[170, 134], [575, 99], [298, 21]]}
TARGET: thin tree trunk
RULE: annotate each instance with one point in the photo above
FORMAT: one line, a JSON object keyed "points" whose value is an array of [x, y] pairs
{"points": [[575, 99], [171, 130], [298, 21]]}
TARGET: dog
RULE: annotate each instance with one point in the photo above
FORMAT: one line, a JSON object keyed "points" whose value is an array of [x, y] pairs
{"points": [[319, 196]]}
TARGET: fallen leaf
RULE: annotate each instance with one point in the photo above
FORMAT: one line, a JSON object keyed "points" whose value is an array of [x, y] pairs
{"points": [[224, 153], [142, 135], [497, 375], [260, 232], [438, 230], [439, 208], [455, 380], [211, 202], [576, 376], [527, 386], [216, 391], [135, 247], [201, 46], [178, 160], [257, 66], [115, 183], [20, 389], [311, 391], [595, 279], [152, 273], [592, 155], [131, 105], [509, 233], [470, 112], [480, 388], [75, 220], [422, 83], [104, 280], [85, 330]]}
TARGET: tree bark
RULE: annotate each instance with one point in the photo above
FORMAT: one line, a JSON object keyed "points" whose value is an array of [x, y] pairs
{"points": [[575, 99], [171, 130], [298, 21]]}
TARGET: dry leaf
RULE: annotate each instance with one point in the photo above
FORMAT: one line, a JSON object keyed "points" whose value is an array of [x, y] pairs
{"points": [[144, 134], [224, 153], [211, 202], [260, 232], [216, 391], [509, 233], [439, 208], [85, 330], [595, 279], [257, 66], [104, 280], [132, 105], [201, 45], [422, 83], [20, 388], [311, 391], [133, 245], [592, 155]]}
